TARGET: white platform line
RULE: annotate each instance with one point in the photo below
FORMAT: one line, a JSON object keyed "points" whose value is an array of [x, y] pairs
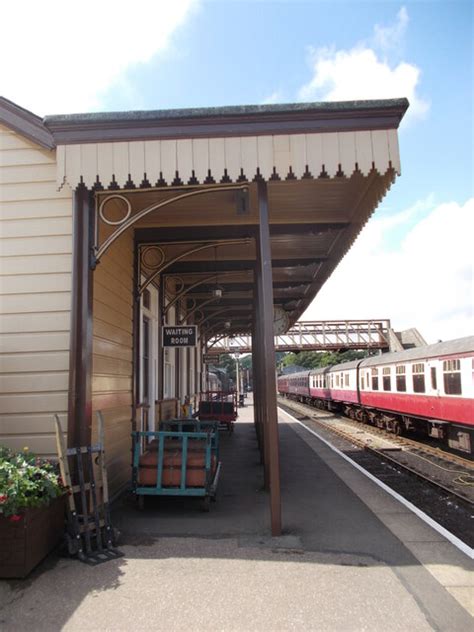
{"points": [[459, 544]]}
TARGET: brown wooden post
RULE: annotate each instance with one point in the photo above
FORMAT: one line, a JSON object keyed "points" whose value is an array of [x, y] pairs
{"points": [[261, 394], [264, 274], [80, 356], [136, 339], [256, 417]]}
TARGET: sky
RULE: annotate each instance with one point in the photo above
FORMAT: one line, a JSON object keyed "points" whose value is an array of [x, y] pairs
{"points": [[413, 262]]}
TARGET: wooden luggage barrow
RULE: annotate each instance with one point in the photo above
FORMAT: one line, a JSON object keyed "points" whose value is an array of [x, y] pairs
{"points": [[175, 462], [219, 406]]}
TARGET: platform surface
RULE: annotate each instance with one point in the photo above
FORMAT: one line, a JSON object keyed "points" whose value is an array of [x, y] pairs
{"points": [[350, 558]]}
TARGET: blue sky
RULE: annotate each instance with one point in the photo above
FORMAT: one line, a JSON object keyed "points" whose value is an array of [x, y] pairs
{"points": [[186, 54]]}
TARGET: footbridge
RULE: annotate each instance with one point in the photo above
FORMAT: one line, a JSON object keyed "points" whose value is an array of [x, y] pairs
{"points": [[325, 335]]}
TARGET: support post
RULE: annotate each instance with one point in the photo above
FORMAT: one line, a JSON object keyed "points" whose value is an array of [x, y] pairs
{"points": [[136, 369], [80, 356], [265, 281]]}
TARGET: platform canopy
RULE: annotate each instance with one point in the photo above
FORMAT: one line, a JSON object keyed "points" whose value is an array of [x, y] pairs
{"points": [[327, 166], [216, 217]]}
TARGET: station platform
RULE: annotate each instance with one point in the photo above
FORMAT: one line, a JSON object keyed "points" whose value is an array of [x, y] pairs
{"points": [[350, 558]]}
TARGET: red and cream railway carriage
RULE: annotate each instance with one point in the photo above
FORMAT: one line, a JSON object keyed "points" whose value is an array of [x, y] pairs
{"points": [[428, 389]]}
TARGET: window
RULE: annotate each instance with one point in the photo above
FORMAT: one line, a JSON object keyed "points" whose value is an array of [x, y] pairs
{"points": [[452, 377], [362, 383], [419, 377], [387, 379], [375, 379], [337, 379], [146, 299], [401, 378], [146, 360], [346, 379], [368, 380], [434, 383]]}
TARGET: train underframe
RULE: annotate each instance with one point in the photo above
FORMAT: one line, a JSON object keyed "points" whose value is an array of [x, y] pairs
{"points": [[455, 436]]}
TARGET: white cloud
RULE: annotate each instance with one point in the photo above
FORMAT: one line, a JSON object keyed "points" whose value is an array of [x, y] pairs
{"points": [[391, 37], [359, 73], [60, 57], [426, 283]]}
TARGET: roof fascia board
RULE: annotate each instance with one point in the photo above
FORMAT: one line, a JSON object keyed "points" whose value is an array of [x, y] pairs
{"points": [[225, 122], [25, 123]]}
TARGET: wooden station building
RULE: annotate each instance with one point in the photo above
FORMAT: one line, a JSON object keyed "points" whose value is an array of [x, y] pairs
{"points": [[114, 224]]}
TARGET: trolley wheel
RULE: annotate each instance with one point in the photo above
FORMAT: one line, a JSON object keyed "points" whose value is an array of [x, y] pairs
{"points": [[206, 504], [141, 502]]}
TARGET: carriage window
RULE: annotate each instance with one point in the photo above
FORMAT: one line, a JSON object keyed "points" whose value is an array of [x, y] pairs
{"points": [[419, 377], [346, 379], [434, 383], [337, 379], [375, 379], [401, 378], [362, 383], [387, 386], [452, 377], [368, 380]]}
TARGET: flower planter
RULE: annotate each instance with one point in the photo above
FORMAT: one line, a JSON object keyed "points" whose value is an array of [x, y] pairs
{"points": [[24, 543]]}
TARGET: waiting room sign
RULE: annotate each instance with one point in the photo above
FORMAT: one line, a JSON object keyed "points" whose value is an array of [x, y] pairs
{"points": [[179, 336]]}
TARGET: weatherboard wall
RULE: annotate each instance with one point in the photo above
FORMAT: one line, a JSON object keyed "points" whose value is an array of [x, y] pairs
{"points": [[35, 294], [112, 361]]}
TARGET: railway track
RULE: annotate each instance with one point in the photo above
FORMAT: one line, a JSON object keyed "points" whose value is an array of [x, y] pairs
{"points": [[428, 481]]}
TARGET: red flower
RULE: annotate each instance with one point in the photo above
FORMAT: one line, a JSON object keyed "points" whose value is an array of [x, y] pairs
{"points": [[3, 498], [15, 518]]}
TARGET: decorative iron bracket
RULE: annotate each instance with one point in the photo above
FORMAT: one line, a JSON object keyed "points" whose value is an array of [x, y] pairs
{"points": [[129, 220], [163, 265]]}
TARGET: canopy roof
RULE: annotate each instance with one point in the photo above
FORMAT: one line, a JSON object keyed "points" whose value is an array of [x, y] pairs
{"points": [[327, 166]]}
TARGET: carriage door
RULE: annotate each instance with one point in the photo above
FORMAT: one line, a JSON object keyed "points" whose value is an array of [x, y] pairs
{"points": [[149, 352]]}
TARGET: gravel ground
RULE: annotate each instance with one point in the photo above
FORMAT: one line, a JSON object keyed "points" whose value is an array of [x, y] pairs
{"points": [[454, 515]]}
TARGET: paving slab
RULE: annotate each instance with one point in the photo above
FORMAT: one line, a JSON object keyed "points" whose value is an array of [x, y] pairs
{"points": [[340, 565], [197, 584]]}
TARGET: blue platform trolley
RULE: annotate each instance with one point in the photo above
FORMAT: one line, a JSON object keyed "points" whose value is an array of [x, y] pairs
{"points": [[180, 459]]}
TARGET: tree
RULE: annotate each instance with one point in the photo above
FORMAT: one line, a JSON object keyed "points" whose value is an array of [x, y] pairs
{"points": [[316, 359]]}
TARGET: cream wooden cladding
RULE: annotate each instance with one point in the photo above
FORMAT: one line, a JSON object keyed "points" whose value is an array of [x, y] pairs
{"points": [[197, 158], [35, 295]]}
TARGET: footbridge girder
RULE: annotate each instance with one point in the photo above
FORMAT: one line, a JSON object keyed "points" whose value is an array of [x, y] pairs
{"points": [[322, 335]]}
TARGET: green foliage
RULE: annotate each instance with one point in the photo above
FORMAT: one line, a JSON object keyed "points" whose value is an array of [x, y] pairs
{"points": [[227, 363], [289, 359], [315, 359], [246, 362], [26, 481]]}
